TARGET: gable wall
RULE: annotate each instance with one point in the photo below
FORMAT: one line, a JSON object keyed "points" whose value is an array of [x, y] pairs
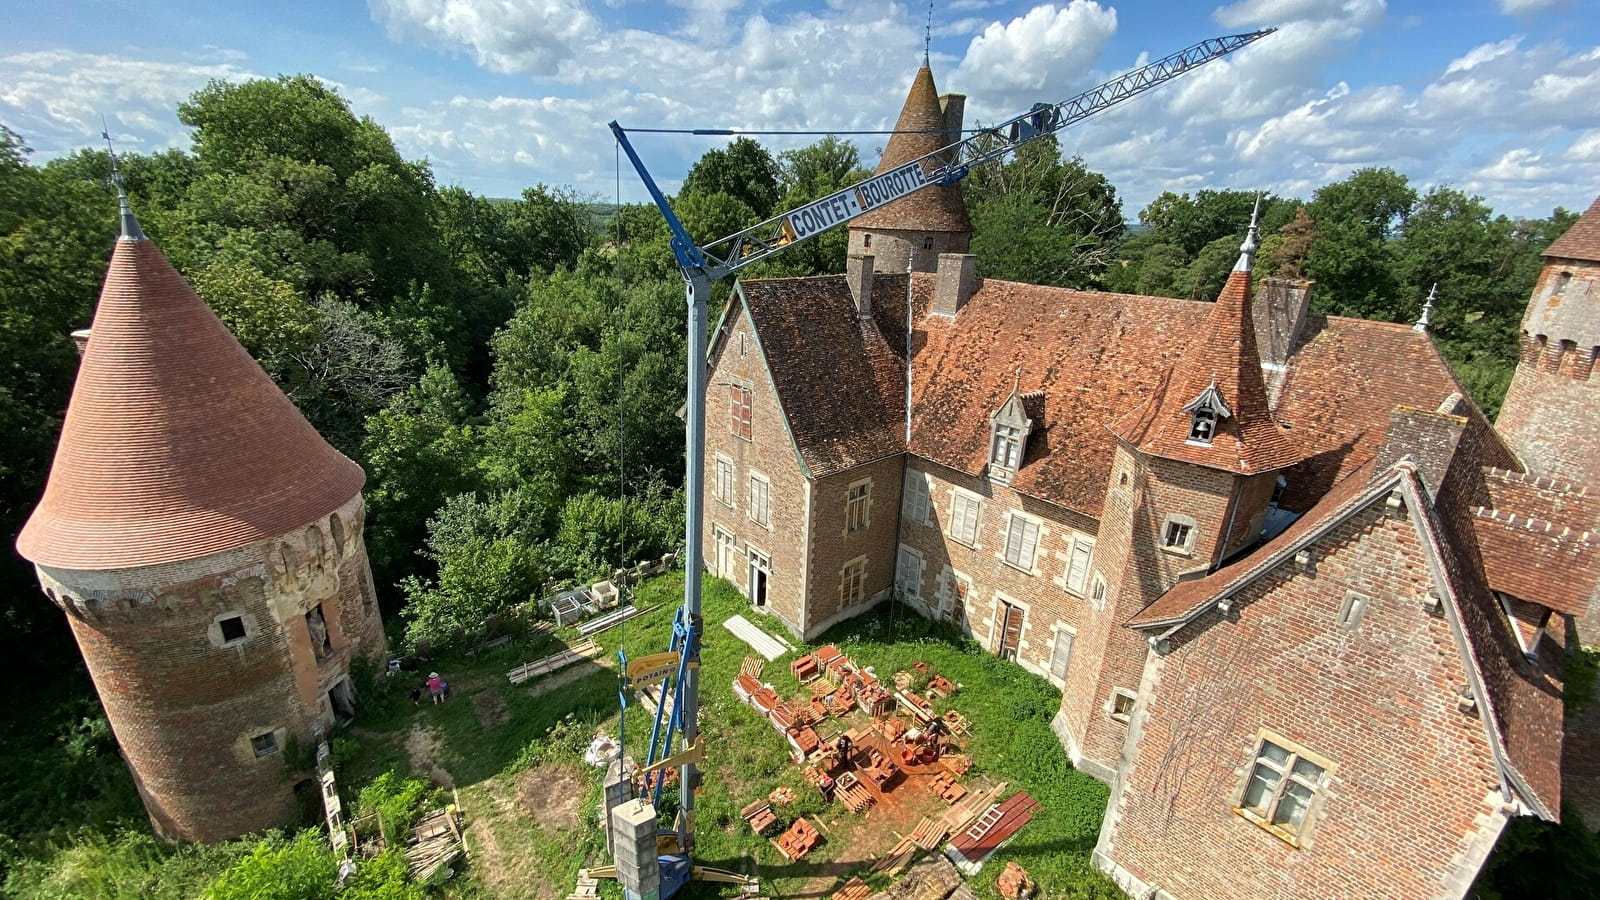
{"points": [[832, 546], [1405, 814], [769, 452]]}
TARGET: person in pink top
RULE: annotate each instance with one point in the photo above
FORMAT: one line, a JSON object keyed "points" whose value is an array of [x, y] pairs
{"points": [[435, 687]]}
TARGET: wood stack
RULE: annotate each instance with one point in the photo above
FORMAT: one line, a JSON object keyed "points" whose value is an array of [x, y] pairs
{"points": [[587, 887], [435, 843], [898, 857], [948, 789], [929, 833], [854, 794], [584, 649]]}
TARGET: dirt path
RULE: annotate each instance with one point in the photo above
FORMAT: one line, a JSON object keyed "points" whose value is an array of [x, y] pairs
{"points": [[422, 750]]}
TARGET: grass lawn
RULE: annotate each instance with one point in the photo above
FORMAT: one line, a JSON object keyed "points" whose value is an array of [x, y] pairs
{"points": [[514, 753]]}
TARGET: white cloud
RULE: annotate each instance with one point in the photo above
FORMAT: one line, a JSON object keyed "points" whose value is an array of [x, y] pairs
{"points": [[1482, 54], [508, 36], [1047, 48], [1525, 7]]}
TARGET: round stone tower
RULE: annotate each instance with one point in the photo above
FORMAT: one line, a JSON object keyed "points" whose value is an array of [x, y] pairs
{"points": [[206, 545]]}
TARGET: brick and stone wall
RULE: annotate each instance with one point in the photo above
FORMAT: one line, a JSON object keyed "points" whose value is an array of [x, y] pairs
{"points": [[185, 702], [891, 248], [832, 545], [768, 452], [1412, 802]]}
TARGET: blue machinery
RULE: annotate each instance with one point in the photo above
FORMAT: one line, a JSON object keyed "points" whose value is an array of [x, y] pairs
{"points": [[678, 669]]}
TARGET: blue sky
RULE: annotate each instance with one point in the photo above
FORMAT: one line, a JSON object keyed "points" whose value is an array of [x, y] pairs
{"points": [[1497, 97]]}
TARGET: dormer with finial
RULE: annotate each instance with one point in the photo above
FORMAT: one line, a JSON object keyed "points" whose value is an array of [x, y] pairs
{"points": [[1009, 428]]}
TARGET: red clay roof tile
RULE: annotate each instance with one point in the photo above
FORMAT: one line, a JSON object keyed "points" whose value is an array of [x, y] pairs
{"points": [[919, 133], [1582, 240], [176, 444]]}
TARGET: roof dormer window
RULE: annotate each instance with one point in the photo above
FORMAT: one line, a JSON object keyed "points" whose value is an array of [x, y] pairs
{"points": [[1008, 436], [1205, 412]]}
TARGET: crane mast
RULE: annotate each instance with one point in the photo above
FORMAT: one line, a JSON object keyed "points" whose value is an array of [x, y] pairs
{"points": [[702, 264]]}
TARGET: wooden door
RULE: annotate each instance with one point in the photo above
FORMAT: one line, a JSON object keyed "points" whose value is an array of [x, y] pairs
{"points": [[1010, 630]]}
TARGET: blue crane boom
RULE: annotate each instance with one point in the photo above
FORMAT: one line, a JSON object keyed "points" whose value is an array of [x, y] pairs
{"points": [[703, 263]]}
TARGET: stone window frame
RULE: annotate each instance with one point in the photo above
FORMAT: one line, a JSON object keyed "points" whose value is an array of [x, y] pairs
{"points": [[997, 633], [900, 580], [1318, 787], [858, 506], [958, 498], [1353, 609], [222, 628], [271, 746], [1027, 565], [919, 496], [246, 622], [722, 485], [853, 582], [1185, 544], [1005, 446], [1119, 706], [730, 547], [760, 500], [951, 594], [739, 411], [1074, 541], [866, 240]]}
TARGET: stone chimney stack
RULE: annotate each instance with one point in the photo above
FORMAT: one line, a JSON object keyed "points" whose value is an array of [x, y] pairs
{"points": [[954, 107], [1279, 313], [1429, 437], [858, 274], [957, 278]]}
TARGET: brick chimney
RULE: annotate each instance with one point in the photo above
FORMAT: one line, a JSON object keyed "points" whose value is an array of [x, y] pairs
{"points": [[1280, 315], [954, 107], [858, 274], [956, 279], [1428, 437]]}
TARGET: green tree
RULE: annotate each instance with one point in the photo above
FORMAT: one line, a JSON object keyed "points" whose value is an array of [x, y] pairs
{"points": [[743, 170], [1351, 257]]}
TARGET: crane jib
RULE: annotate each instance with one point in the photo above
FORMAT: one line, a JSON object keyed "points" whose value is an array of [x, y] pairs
{"points": [[853, 201]]}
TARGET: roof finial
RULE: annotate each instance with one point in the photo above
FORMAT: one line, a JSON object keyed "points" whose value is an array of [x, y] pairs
{"points": [[1247, 250], [1016, 381], [1427, 309], [130, 226], [927, 37]]}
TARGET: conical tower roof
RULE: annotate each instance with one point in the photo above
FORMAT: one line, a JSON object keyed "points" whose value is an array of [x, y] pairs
{"points": [[919, 131], [176, 444], [1582, 240], [1220, 368]]}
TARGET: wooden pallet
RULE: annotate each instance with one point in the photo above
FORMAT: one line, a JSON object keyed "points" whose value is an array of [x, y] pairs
{"points": [[752, 667], [585, 649], [854, 889], [587, 888], [898, 857], [853, 793]]}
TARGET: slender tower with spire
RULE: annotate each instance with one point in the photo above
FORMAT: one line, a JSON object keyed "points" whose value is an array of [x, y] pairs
{"points": [[206, 546], [1194, 470]]}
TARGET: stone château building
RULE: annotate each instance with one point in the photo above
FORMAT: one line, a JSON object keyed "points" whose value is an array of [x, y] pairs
{"points": [[1297, 592], [206, 545]]}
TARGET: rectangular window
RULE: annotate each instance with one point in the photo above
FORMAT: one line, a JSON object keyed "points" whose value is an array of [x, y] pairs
{"points": [[1354, 607], [1078, 565], [760, 500], [953, 601], [853, 582], [1097, 591], [1177, 534], [964, 511], [724, 482], [1281, 787], [739, 409], [908, 573], [1061, 654], [916, 497], [1121, 706], [232, 629], [856, 506], [1022, 539], [1005, 452], [264, 744]]}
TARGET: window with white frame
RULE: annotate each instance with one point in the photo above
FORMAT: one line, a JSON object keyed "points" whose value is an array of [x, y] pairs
{"points": [[1351, 611], [1178, 533], [964, 510], [908, 573], [857, 506], [1282, 787], [1078, 558], [1006, 451], [760, 500], [724, 482], [853, 581], [1061, 653], [915, 506], [1022, 539]]}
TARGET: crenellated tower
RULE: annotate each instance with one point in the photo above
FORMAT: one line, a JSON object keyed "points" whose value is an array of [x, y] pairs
{"points": [[206, 546], [1554, 400]]}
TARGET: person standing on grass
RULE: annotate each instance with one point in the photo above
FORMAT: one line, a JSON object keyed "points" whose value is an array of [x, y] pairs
{"points": [[435, 687]]}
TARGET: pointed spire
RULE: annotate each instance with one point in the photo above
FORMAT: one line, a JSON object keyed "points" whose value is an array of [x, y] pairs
{"points": [[1427, 309], [130, 225], [1247, 250], [927, 37]]}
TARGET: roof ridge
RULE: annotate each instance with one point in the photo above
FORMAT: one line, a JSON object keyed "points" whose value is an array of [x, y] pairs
{"points": [[1542, 482], [1534, 524]]}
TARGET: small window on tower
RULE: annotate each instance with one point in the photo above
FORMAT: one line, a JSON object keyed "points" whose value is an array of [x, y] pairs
{"points": [[1177, 534], [866, 240], [1205, 412], [232, 629], [1203, 426], [927, 243], [1561, 282], [264, 744]]}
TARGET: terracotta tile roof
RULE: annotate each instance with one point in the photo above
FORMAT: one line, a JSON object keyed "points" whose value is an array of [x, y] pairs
{"points": [[841, 383], [176, 444], [1582, 240], [1553, 500], [1221, 354], [930, 209], [1538, 560], [1522, 703]]}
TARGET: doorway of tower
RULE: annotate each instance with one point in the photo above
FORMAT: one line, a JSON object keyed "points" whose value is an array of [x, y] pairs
{"points": [[760, 575], [342, 701], [1010, 630]]}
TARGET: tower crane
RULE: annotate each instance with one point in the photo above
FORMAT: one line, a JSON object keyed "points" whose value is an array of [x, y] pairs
{"points": [[632, 833]]}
